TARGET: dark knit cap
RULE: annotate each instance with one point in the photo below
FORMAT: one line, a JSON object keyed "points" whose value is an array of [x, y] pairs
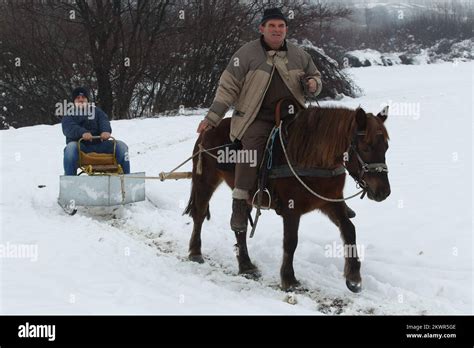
{"points": [[80, 91], [273, 13]]}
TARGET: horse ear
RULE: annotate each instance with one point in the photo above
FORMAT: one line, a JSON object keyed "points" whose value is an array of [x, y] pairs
{"points": [[361, 119], [383, 114]]}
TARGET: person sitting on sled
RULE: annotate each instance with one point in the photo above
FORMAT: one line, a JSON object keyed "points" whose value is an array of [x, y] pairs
{"points": [[84, 122]]}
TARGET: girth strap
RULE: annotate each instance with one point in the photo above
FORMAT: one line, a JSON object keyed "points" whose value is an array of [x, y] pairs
{"points": [[283, 171]]}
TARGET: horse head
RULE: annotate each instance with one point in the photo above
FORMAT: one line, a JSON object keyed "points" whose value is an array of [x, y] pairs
{"points": [[365, 158]]}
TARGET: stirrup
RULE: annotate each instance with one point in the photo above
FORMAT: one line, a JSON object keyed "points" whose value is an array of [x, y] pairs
{"points": [[269, 200]]}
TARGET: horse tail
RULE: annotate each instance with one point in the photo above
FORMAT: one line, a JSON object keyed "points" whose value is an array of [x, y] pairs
{"points": [[191, 207]]}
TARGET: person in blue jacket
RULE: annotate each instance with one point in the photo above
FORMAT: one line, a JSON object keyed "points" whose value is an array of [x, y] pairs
{"points": [[85, 122]]}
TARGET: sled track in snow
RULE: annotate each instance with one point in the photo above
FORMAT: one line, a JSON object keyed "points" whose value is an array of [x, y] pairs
{"points": [[224, 276]]}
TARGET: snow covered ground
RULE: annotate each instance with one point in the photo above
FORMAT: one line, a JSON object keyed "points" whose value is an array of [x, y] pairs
{"points": [[417, 245], [443, 51]]}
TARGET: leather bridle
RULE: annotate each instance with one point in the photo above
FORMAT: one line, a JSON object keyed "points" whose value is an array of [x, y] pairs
{"points": [[364, 167]]}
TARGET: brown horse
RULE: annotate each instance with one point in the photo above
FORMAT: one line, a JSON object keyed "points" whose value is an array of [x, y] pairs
{"points": [[317, 137]]}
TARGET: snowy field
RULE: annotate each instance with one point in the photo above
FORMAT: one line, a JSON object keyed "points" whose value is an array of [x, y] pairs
{"points": [[417, 244]]}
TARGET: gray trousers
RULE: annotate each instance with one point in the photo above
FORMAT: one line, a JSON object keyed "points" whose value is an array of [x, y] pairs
{"points": [[254, 139]]}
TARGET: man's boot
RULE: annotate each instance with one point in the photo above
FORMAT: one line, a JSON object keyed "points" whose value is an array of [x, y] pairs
{"points": [[238, 221], [350, 213]]}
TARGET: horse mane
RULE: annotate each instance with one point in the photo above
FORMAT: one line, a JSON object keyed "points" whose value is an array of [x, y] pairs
{"points": [[318, 137]]}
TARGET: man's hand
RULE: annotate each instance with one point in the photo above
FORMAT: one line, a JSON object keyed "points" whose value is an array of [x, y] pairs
{"points": [[312, 85], [204, 126], [104, 135], [87, 136]]}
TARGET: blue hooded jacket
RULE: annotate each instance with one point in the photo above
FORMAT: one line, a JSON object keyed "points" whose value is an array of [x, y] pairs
{"points": [[75, 126]]}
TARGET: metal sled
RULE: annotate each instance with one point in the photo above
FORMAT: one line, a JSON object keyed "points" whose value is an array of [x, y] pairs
{"points": [[103, 185]]}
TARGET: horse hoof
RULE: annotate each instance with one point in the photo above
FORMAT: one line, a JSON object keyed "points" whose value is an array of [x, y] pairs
{"points": [[196, 258], [291, 286], [355, 287], [251, 273]]}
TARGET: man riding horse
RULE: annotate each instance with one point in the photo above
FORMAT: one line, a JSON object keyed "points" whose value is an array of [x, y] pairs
{"points": [[260, 73]]}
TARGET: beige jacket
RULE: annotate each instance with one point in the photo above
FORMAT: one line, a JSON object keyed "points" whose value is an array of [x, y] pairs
{"points": [[244, 82]]}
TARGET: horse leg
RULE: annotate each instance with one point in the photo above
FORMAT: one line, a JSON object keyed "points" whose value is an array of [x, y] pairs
{"points": [[195, 254], [198, 208], [246, 267], [338, 215], [290, 241]]}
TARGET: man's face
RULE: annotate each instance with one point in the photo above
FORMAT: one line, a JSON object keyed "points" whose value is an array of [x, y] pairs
{"points": [[80, 100], [274, 32]]}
